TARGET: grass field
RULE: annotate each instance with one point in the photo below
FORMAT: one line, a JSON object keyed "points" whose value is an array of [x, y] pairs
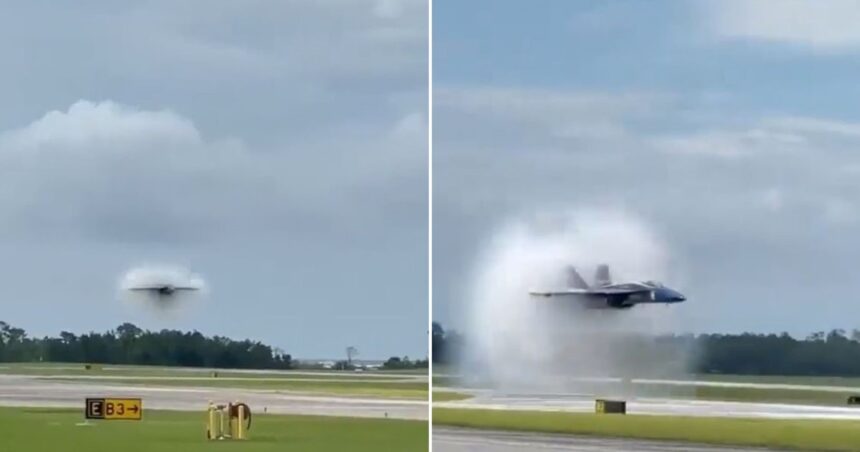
{"points": [[56, 430], [448, 396], [785, 434]]}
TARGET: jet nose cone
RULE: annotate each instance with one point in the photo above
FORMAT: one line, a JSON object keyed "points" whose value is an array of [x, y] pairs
{"points": [[673, 296]]}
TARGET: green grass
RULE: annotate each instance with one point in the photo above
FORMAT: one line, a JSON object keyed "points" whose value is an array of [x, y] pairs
{"points": [[786, 434], [449, 396], [409, 389], [789, 396], [56, 430], [446, 381]]}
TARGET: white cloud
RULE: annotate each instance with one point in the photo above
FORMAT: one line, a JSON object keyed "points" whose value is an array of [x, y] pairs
{"points": [[819, 25], [494, 150], [102, 168], [90, 126], [816, 126], [730, 143]]}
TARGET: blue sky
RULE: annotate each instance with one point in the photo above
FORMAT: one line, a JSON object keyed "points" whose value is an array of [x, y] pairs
{"points": [[632, 45], [731, 127]]}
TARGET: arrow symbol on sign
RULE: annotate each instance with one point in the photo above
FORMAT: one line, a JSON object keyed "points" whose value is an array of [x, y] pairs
{"points": [[135, 409]]}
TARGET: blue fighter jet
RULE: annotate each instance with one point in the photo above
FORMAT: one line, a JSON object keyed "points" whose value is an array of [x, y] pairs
{"points": [[606, 295]]}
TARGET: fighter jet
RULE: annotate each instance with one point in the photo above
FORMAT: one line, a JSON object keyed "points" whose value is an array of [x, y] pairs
{"points": [[606, 295], [162, 290]]}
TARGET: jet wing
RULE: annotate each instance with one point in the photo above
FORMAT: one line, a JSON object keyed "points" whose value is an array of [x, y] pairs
{"points": [[596, 291], [560, 292], [161, 287]]}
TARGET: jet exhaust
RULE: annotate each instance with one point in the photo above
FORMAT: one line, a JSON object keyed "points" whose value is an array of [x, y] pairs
{"points": [[519, 342]]}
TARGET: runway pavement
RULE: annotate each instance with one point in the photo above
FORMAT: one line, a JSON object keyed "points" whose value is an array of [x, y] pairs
{"points": [[488, 399], [466, 440], [156, 378], [31, 391]]}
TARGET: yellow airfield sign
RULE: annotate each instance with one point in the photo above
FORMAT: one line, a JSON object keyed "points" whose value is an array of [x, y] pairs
{"points": [[114, 409]]}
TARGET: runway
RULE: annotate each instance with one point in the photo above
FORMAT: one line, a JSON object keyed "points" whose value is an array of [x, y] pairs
{"points": [[488, 399], [30, 391], [465, 440], [156, 378]]}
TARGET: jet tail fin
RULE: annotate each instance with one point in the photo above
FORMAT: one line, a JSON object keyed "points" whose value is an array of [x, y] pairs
{"points": [[574, 280], [602, 277]]}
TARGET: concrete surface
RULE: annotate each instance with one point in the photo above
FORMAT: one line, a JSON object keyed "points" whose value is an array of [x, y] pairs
{"points": [[466, 440], [30, 391], [489, 399]]}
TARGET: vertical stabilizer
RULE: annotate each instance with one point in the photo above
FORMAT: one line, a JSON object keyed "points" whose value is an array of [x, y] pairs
{"points": [[602, 278], [574, 280]]}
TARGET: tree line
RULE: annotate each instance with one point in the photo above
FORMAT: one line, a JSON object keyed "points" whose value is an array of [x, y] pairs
{"points": [[397, 363], [128, 344], [393, 363], [834, 353]]}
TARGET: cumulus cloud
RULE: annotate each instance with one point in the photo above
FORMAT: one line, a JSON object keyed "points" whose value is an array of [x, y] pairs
{"points": [[115, 170], [107, 125], [105, 166]]}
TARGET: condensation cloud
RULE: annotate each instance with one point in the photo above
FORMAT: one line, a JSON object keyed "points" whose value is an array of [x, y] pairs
{"points": [[154, 275], [515, 340]]}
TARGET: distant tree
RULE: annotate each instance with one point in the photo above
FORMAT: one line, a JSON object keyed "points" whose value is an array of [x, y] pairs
{"points": [[129, 344], [834, 353], [397, 363]]}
